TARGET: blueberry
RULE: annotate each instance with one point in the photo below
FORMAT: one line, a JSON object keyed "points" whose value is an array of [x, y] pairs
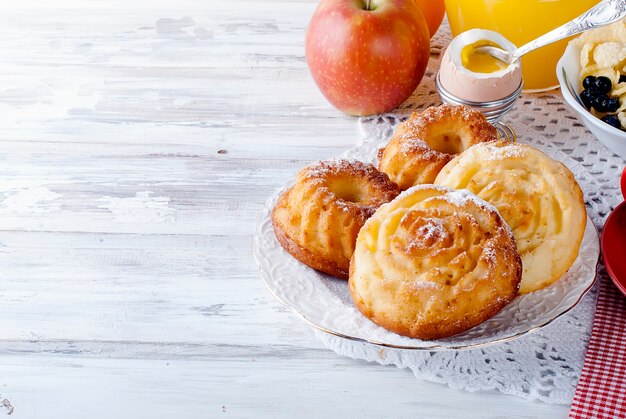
{"points": [[612, 105], [603, 84], [588, 82], [593, 92], [612, 120], [600, 103], [622, 78], [587, 96]]}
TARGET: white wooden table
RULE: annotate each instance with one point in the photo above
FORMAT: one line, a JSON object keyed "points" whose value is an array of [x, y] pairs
{"points": [[137, 145]]}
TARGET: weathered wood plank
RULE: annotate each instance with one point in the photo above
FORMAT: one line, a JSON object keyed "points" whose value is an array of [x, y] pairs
{"points": [[324, 386], [138, 142]]}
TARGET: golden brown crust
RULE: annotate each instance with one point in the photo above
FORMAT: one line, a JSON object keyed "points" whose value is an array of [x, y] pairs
{"points": [[439, 329], [427, 141], [308, 258], [433, 263], [317, 220]]}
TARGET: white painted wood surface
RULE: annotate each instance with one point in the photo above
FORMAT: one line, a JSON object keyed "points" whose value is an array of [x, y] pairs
{"points": [[138, 141]]}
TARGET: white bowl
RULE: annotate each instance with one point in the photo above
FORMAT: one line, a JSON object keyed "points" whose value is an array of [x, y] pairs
{"points": [[568, 72]]}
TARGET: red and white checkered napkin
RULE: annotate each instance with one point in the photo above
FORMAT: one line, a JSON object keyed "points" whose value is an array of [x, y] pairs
{"points": [[601, 390]]}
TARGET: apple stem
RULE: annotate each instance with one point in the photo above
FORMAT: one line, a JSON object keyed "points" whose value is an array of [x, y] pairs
{"points": [[368, 5]]}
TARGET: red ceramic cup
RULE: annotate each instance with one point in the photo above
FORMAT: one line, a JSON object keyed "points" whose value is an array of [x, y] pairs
{"points": [[614, 242]]}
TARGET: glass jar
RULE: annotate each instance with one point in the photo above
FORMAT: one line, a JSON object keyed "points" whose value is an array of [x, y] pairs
{"points": [[521, 21]]}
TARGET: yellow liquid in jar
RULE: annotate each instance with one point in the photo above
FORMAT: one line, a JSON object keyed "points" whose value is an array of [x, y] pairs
{"points": [[521, 21], [480, 63]]}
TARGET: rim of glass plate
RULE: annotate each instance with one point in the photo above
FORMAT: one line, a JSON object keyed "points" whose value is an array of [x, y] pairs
{"points": [[435, 347]]}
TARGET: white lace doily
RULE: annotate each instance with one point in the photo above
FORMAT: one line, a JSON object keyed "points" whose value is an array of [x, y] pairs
{"points": [[544, 365]]}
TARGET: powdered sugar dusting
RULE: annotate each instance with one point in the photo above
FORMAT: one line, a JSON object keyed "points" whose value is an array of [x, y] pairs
{"points": [[327, 167], [413, 189], [412, 145], [437, 113], [433, 228], [424, 285], [501, 150], [461, 197], [470, 118], [429, 233], [490, 254], [341, 204]]}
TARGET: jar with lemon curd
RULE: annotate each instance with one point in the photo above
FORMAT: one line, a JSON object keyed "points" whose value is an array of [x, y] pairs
{"points": [[521, 21]]}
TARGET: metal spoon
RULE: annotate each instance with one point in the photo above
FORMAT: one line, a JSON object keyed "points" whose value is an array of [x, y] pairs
{"points": [[602, 14]]}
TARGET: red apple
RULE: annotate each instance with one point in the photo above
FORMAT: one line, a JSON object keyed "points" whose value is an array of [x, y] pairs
{"points": [[367, 56]]}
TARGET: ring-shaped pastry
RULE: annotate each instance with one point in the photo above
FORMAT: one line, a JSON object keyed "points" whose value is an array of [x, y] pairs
{"points": [[317, 219], [427, 141]]}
